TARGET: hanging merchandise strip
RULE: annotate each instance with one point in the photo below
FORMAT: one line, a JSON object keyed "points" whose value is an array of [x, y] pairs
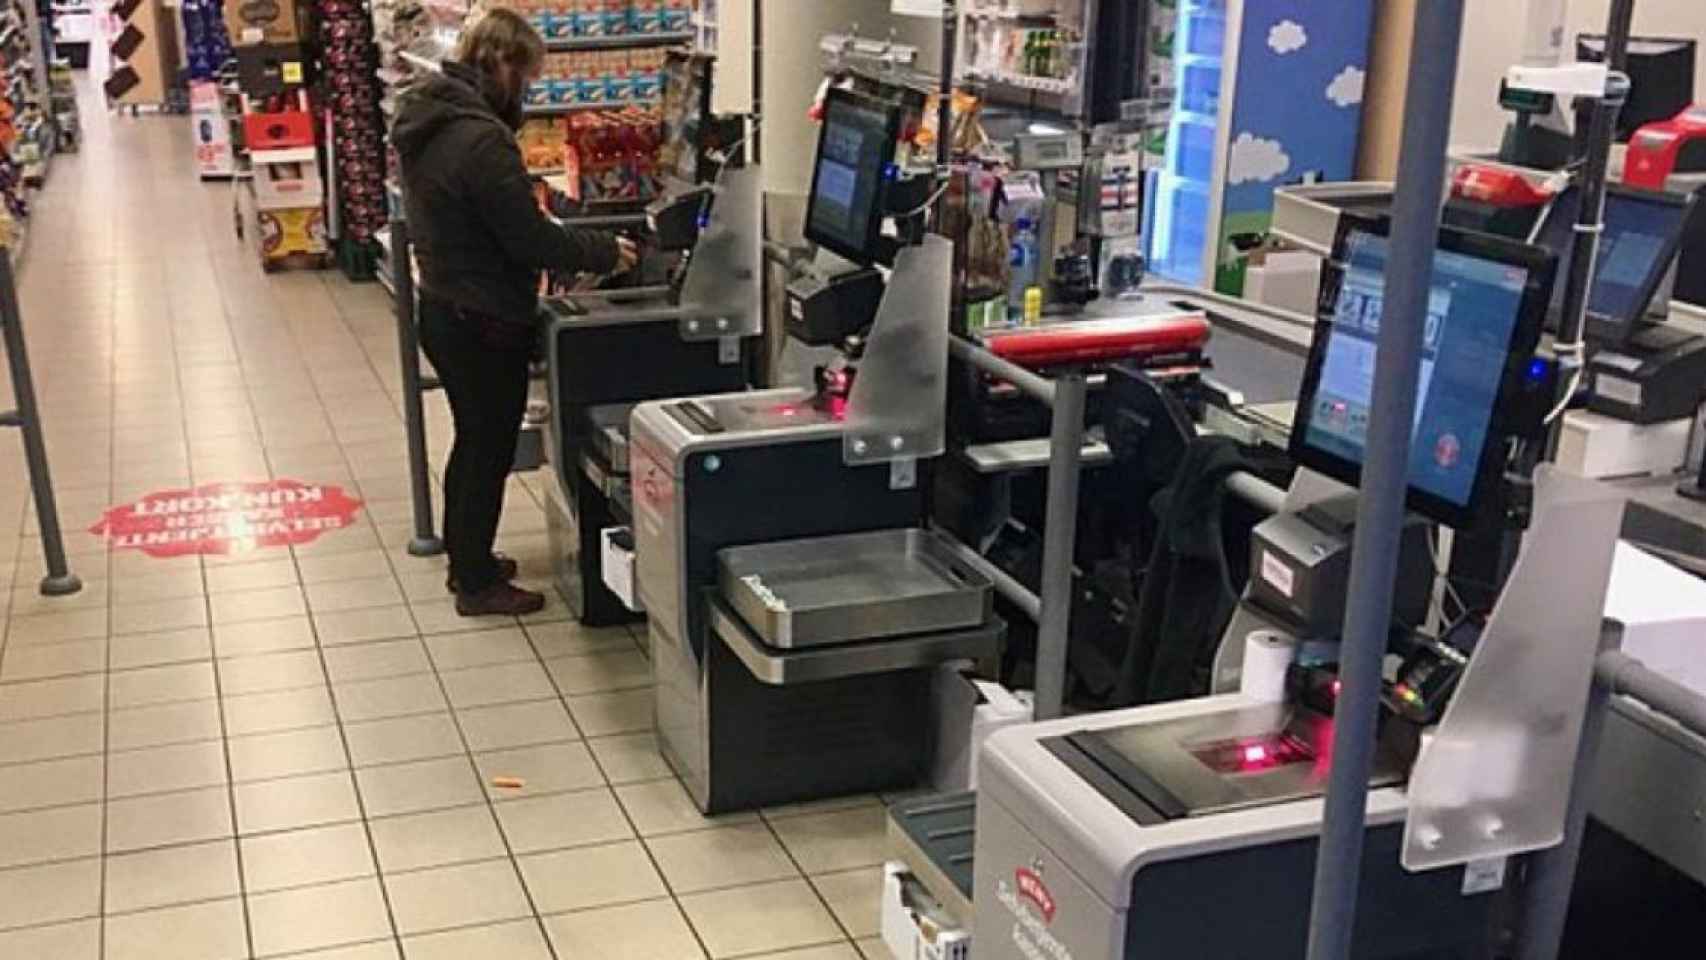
{"points": [[27, 131], [352, 92]]}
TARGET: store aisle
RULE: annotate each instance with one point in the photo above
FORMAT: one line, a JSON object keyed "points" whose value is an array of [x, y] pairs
{"points": [[290, 751]]}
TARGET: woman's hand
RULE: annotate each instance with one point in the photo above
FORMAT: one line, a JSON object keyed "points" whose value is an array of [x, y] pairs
{"points": [[627, 255]]}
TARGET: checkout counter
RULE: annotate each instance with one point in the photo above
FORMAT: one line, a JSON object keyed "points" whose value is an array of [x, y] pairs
{"points": [[608, 351]]}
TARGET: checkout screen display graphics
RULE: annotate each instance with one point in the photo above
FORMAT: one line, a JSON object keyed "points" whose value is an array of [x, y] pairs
{"points": [[1473, 309], [854, 150], [1641, 235]]}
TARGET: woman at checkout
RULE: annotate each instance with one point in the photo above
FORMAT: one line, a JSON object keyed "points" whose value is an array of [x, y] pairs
{"points": [[481, 241]]}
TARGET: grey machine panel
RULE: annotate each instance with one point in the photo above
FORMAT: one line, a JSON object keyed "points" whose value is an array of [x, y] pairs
{"points": [[861, 586]]}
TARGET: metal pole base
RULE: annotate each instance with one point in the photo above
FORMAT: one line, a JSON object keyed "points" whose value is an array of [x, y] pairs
{"points": [[61, 586], [1692, 490], [426, 547]]}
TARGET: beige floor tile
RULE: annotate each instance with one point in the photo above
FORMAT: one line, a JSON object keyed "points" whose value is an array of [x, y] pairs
{"points": [[375, 950], [162, 725], [438, 838], [51, 660], [417, 787], [48, 783], [604, 714], [856, 899], [78, 940], [203, 931], [270, 672], [354, 594], [601, 672], [158, 820], [300, 858], [184, 766], [388, 697], [50, 893], [504, 683], [155, 616], [262, 636], [629, 758], [374, 661], [828, 951], [295, 803], [828, 842], [189, 644], [873, 948], [248, 605], [53, 627], [280, 710], [289, 753], [57, 833], [38, 699], [721, 857], [149, 686], [516, 725], [460, 651], [658, 807], [650, 930], [402, 739], [361, 626], [314, 918], [587, 877], [160, 585], [438, 615], [551, 768], [172, 875], [514, 940], [578, 819], [336, 567], [764, 917], [456, 896], [262, 575]]}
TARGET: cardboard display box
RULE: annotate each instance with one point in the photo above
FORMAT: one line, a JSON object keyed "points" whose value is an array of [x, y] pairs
{"points": [[264, 21], [291, 234], [287, 179]]}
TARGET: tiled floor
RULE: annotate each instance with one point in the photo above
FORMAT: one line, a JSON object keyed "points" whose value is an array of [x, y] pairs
{"points": [[290, 752]]}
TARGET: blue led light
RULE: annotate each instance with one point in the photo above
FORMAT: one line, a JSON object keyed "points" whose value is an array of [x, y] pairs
{"points": [[891, 172], [1537, 369], [704, 220]]}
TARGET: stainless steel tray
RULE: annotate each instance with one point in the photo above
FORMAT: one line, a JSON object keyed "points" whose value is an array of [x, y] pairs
{"points": [[862, 586]]}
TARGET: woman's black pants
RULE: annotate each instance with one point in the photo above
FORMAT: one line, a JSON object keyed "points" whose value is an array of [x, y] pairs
{"points": [[485, 377]]}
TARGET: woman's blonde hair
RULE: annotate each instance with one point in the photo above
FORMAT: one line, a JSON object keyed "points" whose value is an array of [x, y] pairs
{"points": [[500, 37]]}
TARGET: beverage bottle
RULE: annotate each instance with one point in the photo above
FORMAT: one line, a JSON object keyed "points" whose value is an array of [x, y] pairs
{"points": [[1022, 257]]}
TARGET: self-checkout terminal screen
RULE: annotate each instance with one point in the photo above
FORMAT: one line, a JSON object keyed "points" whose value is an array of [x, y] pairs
{"points": [[1473, 308], [854, 148], [1638, 232]]}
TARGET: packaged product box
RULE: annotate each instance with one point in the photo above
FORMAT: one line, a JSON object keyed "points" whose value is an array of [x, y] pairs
{"points": [[645, 16], [615, 17], [291, 231], [264, 21], [589, 18], [560, 20], [565, 87], [677, 15], [589, 77], [646, 72], [618, 85]]}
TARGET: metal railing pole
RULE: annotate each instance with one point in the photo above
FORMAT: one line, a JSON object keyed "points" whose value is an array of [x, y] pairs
{"points": [[1060, 534], [425, 542], [1380, 509], [59, 581]]}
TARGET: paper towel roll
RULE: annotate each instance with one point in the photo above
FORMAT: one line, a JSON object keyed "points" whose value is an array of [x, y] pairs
{"points": [[1267, 656]]}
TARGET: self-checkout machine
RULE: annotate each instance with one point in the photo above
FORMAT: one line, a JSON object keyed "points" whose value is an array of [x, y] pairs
{"points": [[1190, 828], [797, 607], [608, 350]]}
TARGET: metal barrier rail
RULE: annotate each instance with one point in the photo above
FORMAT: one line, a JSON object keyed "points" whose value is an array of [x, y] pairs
{"points": [[59, 581]]}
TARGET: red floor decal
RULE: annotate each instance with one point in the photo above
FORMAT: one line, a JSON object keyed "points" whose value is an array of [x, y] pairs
{"points": [[227, 518]]}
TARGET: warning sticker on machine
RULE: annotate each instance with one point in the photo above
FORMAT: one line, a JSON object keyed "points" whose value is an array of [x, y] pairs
{"points": [[227, 518]]}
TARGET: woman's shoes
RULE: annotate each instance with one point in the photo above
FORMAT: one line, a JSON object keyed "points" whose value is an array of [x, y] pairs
{"points": [[500, 599], [507, 570]]}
